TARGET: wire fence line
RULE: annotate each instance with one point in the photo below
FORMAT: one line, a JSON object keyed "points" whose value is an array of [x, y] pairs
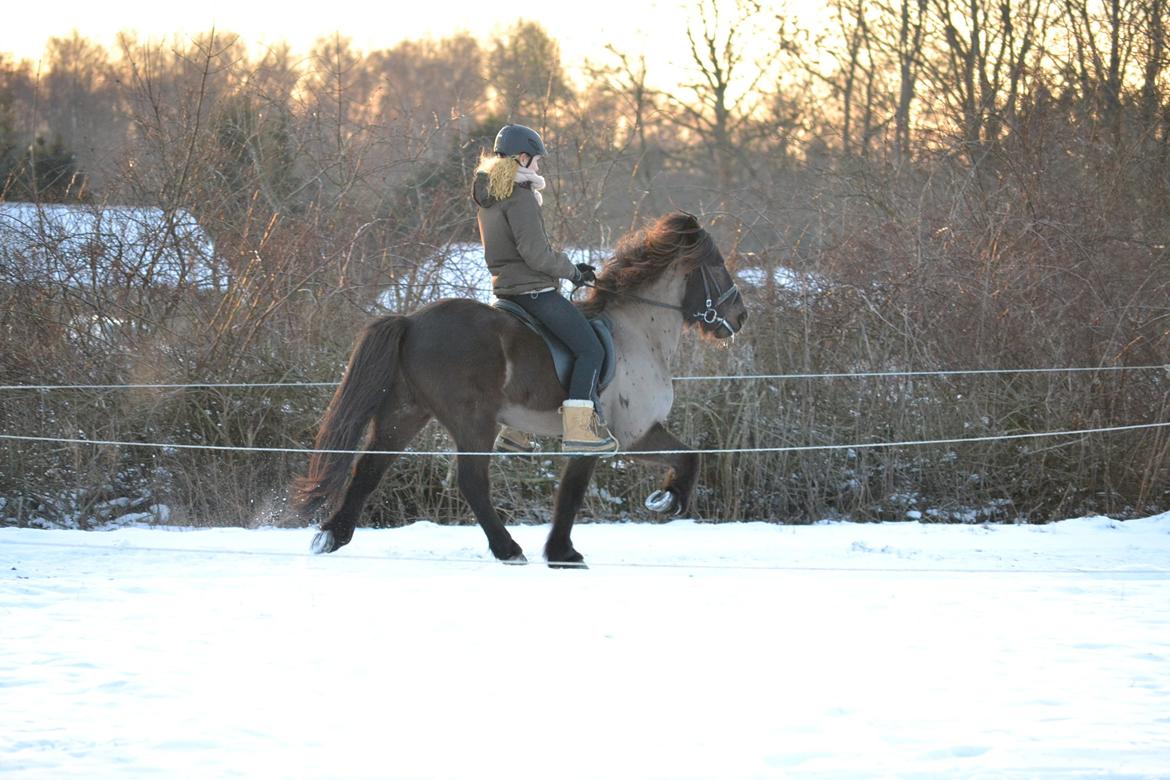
{"points": [[486, 561], [707, 378], [626, 453]]}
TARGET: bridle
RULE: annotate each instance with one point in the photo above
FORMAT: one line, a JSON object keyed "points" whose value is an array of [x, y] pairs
{"points": [[712, 316], [713, 298]]}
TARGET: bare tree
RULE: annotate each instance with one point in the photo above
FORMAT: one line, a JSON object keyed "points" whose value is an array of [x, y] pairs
{"points": [[907, 48], [856, 68], [1103, 48], [722, 109], [524, 68], [635, 109], [432, 81], [78, 94], [983, 62], [1155, 65]]}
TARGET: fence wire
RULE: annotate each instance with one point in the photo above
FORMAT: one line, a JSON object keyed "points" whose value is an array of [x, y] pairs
{"points": [[705, 378], [626, 453]]}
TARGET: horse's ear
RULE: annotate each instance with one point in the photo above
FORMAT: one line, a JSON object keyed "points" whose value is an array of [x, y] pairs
{"points": [[689, 220]]}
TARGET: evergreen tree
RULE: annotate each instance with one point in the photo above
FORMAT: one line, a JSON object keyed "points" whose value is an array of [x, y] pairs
{"points": [[44, 172]]}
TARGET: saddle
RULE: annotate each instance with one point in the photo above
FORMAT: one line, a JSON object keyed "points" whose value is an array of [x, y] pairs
{"points": [[561, 356]]}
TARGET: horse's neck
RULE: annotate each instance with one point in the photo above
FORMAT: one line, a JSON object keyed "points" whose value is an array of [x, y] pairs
{"points": [[659, 328]]}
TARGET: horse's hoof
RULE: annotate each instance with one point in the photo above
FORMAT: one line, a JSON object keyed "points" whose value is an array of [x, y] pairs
{"points": [[509, 552], [516, 560], [568, 565], [571, 559], [323, 542], [663, 502]]}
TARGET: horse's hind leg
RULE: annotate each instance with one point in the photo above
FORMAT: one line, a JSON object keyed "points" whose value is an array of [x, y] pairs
{"points": [[475, 484], [674, 496], [558, 550], [392, 433]]}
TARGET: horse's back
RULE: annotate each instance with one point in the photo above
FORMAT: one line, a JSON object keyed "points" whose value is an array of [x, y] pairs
{"points": [[467, 348], [458, 326], [453, 329]]}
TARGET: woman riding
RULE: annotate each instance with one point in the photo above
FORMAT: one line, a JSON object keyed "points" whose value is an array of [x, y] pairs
{"points": [[526, 271]]}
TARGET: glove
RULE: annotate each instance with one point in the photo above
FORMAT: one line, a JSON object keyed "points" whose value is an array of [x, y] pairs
{"points": [[585, 273]]}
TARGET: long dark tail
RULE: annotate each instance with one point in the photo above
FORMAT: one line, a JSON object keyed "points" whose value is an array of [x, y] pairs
{"points": [[366, 386]]}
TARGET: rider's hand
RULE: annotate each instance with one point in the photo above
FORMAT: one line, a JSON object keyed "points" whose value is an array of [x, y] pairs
{"points": [[585, 273]]}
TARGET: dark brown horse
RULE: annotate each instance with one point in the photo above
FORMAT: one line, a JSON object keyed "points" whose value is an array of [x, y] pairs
{"points": [[473, 367]]}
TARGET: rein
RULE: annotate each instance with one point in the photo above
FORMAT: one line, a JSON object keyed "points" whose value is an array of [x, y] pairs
{"points": [[710, 315], [633, 297]]}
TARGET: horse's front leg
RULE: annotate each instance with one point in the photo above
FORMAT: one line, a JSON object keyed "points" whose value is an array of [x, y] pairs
{"points": [[558, 550], [674, 496]]}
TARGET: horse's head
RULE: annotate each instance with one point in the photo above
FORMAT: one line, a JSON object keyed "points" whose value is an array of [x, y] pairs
{"points": [[711, 299]]}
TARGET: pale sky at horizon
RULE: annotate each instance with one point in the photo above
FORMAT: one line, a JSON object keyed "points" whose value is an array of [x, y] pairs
{"points": [[655, 27]]}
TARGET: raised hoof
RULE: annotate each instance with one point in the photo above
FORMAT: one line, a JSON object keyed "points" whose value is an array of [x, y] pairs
{"points": [[664, 502], [565, 560], [323, 542]]}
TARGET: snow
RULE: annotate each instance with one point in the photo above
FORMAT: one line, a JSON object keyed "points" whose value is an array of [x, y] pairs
{"points": [[458, 270], [782, 277], [116, 246], [688, 650]]}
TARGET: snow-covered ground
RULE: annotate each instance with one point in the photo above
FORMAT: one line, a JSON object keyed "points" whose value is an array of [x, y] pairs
{"points": [[686, 651]]}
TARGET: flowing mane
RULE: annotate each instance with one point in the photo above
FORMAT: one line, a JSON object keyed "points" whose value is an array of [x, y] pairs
{"points": [[644, 254]]}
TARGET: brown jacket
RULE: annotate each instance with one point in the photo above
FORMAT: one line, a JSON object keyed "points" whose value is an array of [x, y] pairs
{"points": [[515, 244]]}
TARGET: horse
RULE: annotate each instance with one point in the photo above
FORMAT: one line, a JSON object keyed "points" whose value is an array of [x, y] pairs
{"points": [[473, 367]]}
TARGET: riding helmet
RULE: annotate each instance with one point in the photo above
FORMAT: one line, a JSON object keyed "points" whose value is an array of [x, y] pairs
{"points": [[517, 139]]}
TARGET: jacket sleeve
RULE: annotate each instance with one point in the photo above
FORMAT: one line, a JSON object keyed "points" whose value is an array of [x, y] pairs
{"points": [[531, 240]]}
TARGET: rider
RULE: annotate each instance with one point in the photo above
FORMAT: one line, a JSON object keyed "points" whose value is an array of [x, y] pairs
{"points": [[526, 271]]}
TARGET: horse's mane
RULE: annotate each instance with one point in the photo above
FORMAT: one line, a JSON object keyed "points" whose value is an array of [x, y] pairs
{"points": [[643, 255]]}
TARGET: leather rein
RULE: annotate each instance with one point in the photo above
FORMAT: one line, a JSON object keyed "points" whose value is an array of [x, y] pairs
{"points": [[713, 301]]}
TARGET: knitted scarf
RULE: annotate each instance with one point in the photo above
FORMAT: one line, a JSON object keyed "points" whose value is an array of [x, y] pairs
{"points": [[504, 173]]}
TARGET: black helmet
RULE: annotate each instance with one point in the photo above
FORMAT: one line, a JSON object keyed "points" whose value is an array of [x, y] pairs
{"points": [[517, 139]]}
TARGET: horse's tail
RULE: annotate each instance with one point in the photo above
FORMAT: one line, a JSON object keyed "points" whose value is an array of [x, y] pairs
{"points": [[365, 387]]}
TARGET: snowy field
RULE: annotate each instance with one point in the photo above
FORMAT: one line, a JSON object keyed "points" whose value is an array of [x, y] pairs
{"points": [[686, 651]]}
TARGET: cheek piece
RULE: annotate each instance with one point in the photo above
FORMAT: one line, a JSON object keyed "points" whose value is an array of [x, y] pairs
{"points": [[711, 315]]}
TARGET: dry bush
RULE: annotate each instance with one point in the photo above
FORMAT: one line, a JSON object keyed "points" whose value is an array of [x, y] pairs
{"points": [[1035, 242]]}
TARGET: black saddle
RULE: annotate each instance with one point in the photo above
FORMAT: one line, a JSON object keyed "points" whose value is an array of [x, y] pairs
{"points": [[561, 356]]}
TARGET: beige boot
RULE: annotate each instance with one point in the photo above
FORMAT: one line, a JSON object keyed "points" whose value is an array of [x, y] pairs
{"points": [[514, 440], [584, 431]]}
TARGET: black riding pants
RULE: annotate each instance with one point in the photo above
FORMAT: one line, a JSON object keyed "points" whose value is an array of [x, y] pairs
{"points": [[570, 326]]}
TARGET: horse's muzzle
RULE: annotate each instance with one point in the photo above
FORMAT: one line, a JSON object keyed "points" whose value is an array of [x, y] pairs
{"points": [[727, 327]]}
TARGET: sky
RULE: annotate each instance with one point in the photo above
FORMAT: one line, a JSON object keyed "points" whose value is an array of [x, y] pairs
{"points": [[656, 28]]}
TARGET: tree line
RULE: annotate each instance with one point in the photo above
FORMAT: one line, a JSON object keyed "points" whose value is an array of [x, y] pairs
{"points": [[923, 184]]}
